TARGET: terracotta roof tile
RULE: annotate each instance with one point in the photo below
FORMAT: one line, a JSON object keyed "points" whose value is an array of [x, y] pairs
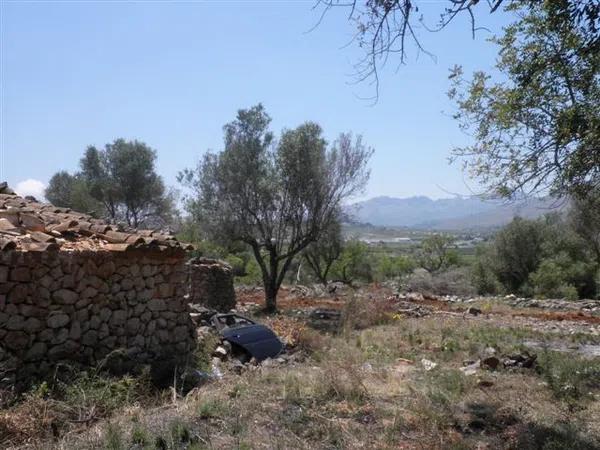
{"points": [[28, 225]]}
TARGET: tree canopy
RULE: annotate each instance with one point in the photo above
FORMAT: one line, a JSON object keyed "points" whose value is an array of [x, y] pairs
{"points": [[385, 30], [120, 181], [276, 197], [538, 129]]}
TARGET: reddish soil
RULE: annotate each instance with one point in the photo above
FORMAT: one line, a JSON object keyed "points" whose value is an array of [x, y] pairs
{"points": [[290, 300]]}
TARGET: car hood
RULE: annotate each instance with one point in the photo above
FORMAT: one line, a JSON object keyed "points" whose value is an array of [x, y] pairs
{"points": [[256, 339]]}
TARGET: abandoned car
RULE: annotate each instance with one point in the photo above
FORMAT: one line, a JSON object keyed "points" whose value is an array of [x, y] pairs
{"points": [[248, 339]]}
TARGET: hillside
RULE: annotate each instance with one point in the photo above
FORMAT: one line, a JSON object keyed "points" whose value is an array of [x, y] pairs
{"points": [[457, 213]]}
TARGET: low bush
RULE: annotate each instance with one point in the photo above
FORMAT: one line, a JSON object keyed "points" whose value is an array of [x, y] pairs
{"points": [[456, 281], [569, 378], [341, 382]]}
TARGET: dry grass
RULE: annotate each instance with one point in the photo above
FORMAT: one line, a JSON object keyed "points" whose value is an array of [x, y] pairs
{"points": [[362, 388]]}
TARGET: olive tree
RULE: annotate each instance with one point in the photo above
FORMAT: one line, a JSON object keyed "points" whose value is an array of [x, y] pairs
{"points": [[122, 176], [321, 254], [276, 197], [71, 191], [437, 252], [386, 30], [584, 217], [537, 129]]}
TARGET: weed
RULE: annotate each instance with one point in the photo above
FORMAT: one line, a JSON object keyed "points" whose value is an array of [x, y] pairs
{"points": [[569, 378], [210, 408], [445, 386], [292, 391], [113, 437], [341, 383], [140, 436], [93, 393], [204, 350], [179, 432]]}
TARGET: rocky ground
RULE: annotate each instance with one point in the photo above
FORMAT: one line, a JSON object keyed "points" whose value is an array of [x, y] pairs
{"points": [[366, 368]]}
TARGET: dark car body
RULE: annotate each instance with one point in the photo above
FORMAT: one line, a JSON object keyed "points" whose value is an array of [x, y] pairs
{"points": [[257, 340]]}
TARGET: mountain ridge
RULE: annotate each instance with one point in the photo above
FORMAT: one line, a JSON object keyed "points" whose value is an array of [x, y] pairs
{"points": [[453, 213]]}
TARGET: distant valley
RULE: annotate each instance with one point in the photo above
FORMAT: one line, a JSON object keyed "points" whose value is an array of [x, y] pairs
{"points": [[453, 214]]}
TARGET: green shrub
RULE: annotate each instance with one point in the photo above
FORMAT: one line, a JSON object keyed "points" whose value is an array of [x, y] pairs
{"points": [[354, 264], [104, 394], [561, 275], [437, 252], [570, 378], [517, 253], [390, 267], [483, 275], [113, 437], [253, 275], [238, 265]]}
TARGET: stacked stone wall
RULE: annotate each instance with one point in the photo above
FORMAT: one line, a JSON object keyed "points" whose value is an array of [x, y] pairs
{"points": [[211, 284], [81, 306]]}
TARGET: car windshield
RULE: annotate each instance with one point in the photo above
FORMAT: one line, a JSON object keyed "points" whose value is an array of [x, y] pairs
{"points": [[233, 321]]}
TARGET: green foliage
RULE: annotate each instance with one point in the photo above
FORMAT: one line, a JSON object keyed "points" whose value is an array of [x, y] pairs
{"points": [[104, 394], [483, 275], [354, 263], [119, 182], [437, 253], [390, 267], [140, 436], [321, 254], [275, 197], [570, 378], [211, 407], [71, 191], [204, 350], [584, 218], [445, 386], [252, 274], [517, 253], [122, 176], [552, 277], [113, 437], [537, 129], [545, 257]]}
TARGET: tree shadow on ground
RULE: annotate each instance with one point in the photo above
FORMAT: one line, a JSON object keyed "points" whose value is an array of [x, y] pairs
{"points": [[483, 420]]}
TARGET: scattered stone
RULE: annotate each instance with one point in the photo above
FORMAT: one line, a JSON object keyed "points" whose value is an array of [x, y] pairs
{"points": [[474, 311], [484, 383], [524, 360], [428, 365], [489, 351], [220, 352], [491, 363], [471, 369]]}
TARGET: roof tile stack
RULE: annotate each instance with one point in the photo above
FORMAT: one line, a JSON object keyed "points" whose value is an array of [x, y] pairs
{"points": [[28, 225]]}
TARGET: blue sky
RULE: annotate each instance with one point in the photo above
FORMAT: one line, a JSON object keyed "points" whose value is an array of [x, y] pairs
{"points": [[173, 73]]}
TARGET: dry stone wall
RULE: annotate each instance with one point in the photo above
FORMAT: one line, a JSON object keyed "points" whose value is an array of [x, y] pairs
{"points": [[211, 284], [79, 306]]}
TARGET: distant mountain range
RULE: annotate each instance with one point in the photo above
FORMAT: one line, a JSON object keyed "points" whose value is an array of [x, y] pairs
{"points": [[457, 213]]}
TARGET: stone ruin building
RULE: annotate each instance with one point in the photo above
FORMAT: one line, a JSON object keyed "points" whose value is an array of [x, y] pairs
{"points": [[76, 289], [211, 284]]}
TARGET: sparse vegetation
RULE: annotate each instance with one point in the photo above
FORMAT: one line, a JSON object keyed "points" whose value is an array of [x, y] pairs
{"points": [[362, 385]]}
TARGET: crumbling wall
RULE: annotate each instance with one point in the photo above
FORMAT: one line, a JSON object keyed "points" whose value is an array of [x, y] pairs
{"points": [[211, 284], [79, 306]]}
